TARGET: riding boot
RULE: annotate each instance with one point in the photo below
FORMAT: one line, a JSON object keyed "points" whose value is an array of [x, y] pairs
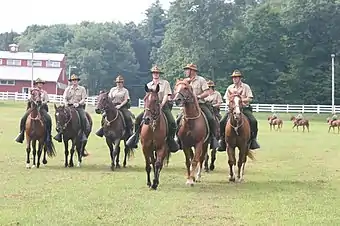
{"points": [[221, 141], [20, 138], [173, 145], [176, 139], [253, 143], [133, 140]]}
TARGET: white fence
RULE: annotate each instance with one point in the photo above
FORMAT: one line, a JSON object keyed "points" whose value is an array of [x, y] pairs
{"points": [[279, 108]]}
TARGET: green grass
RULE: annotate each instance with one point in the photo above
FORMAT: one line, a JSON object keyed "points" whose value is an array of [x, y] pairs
{"points": [[295, 181]]}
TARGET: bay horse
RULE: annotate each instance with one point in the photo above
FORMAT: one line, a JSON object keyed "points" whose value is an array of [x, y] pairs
{"points": [[333, 124], [153, 136], [193, 131], [275, 122], [114, 128], [303, 122], [36, 132], [237, 134], [68, 123]]}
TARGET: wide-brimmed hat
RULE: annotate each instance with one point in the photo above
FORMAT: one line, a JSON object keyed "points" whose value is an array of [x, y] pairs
{"points": [[236, 73], [119, 78], [155, 69], [211, 83], [74, 77], [191, 67], [38, 80]]}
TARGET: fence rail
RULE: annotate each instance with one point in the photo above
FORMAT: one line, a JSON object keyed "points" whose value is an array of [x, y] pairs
{"points": [[318, 109]]}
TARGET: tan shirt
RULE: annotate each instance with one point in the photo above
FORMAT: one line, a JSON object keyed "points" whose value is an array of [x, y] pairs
{"points": [[244, 90], [44, 96], [214, 98], [164, 88], [118, 95], [199, 85], [74, 95]]}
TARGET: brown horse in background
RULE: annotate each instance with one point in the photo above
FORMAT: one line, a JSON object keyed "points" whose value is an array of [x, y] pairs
{"points": [[113, 127], [303, 122], [333, 124], [35, 132], [275, 122], [68, 123], [193, 131], [153, 136], [237, 134]]}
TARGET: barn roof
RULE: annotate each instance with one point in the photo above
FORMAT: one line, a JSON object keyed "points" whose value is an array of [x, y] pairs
{"points": [[28, 56], [25, 73]]}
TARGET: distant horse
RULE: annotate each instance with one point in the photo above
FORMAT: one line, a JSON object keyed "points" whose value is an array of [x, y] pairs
{"points": [[153, 136], [237, 134], [193, 131], [113, 127], [68, 123], [35, 131], [275, 122], [333, 124], [303, 122]]}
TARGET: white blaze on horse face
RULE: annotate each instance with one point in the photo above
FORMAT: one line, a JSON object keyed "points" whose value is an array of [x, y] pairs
{"points": [[237, 106]]}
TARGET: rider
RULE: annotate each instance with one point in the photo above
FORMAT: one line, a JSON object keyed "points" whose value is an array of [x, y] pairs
{"points": [[75, 95], [299, 117], [164, 96], [120, 98], [38, 83], [215, 98], [334, 117], [247, 96], [274, 116], [201, 91]]}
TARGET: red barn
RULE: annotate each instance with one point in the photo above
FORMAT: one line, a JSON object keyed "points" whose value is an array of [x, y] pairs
{"points": [[16, 71]]}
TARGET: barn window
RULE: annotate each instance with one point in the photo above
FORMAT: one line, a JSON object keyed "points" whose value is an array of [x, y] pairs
{"points": [[36, 63], [14, 62], [52, 64], [7, 82]]}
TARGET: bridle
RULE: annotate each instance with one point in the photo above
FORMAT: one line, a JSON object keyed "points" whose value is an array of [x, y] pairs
{"points": [[233, 115], [186, 99], [154, 113], [104, 108], [68, 116]]}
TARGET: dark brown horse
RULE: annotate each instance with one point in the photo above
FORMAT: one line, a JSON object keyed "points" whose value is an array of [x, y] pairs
{"points": [[35, 132], [193, 131], [275, 122], [113, 127], [153, 136], [68, 123], [333, 124], [303, 122], [237, 134]]}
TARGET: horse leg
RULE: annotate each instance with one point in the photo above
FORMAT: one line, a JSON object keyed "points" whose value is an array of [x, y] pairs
{"points": [[213, 159], [147, 167], [40, 147], [117, 147], [195, 162], [44, 158], [242, 155], [28, 151], [161, 154], [80, 151], [232, 163], [74, 143], [110, 145], [66, 151], [206, 163], [34, 147], [202, 156], [187, 153], [126, 153]]}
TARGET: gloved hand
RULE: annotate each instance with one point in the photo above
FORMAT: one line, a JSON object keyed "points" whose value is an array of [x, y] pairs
{"points": [[76, 105]]}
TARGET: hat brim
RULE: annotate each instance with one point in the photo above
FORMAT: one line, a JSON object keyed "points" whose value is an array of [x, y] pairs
{"points": [[236, 76], [119, 81], [185, 68], [38, 83], [70, 80], [159, 72]]}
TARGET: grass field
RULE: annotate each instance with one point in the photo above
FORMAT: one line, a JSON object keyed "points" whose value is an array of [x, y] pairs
{"points": [[295, 181]]}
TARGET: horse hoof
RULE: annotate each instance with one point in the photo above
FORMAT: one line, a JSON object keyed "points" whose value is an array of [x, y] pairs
{"points": [[44, 161], [118, 166], [212, 167], [70, 165], [190, 182], [38, 166], [232, 179], [28, 166], [154, 187], [33, 166], [78, 164], [112, 168]]}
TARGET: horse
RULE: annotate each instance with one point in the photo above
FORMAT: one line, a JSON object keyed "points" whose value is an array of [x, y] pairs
{"points": [[211, 167], [193, 130], [237, 134], [36, 132], [333, 124], [153, 136], [303, 122], [114, 128], [68, 123], [275, 122]]}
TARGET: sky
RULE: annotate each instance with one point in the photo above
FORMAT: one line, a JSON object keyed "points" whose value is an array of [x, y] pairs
{"points": [[17, 15]]}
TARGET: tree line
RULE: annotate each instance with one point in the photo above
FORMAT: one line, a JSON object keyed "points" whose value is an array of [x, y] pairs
{"points": [[282, 47]]}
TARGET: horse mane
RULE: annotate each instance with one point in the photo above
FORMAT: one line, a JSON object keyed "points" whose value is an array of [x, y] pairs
{"points": [[187, 81]]}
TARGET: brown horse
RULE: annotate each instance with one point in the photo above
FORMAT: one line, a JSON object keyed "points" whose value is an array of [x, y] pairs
{"points": [[275, 122], [113, 127], [153, 136], [193, 131], [35, 132], [333, 124], [237, 134], [303, 122], [68, 123]]}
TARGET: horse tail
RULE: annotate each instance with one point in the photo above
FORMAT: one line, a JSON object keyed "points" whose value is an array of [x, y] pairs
{"points": [[251, 155], [51, 152]]}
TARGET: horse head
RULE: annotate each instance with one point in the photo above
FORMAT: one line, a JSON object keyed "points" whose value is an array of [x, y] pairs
{"points": [[235, 105], [183, 93], [104, 103], [292, 118], [63, 117], [36, 99], [152, 107]]}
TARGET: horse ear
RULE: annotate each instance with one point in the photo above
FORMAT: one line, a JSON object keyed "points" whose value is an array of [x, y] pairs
{"points": [[157, 88], [146, 88]]}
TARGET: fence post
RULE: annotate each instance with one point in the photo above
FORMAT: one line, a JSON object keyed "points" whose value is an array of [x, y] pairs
{"points": [[318, 109]]}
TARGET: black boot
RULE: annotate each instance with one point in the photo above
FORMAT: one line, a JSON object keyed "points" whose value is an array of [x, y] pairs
{"points": [[20, 138], [100, 132], [58, 137], [253, 142], [221, 141], [214, 144], [133, 140], [223, 146]]}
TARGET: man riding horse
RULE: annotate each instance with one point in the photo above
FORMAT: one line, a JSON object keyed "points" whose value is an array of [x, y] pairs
{"points": [[274, 116], [299, 117], [201, 91], [38, 83], [75, 95], [164, 95], [120, 98], [215, 98], [247, 96]]}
